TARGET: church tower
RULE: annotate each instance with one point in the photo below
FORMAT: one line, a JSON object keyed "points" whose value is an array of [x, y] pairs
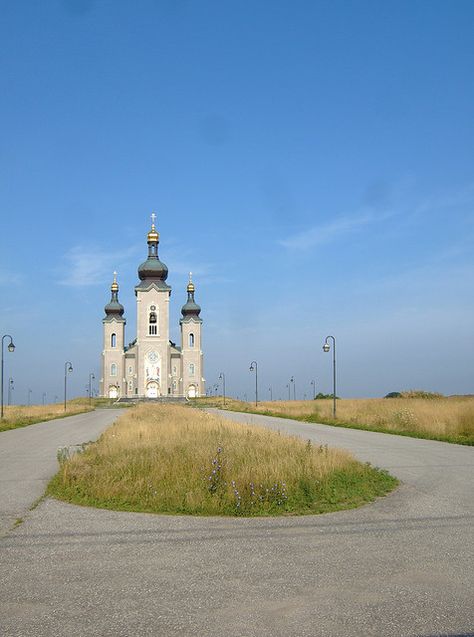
{"points": [[153, 296], [111, 383], [191, 345]]}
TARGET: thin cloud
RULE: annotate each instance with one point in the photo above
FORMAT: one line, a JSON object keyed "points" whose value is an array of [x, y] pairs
{"points": [[330, 232], [86, 266]]}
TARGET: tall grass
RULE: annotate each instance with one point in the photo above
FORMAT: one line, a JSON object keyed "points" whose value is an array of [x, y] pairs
{"points": [[450, 419], [173, 459], [22, 415]]}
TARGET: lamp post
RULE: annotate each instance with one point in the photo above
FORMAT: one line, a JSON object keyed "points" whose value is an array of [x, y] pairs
{"points": [[222, 378], [11, 348], [91, 378], [216, 387], [254, 367], [30, 391], [10, 389], [326, 348], [67, 370], [271, 393], [44, 397], [313, 383], [292, 380], [288, 388]]}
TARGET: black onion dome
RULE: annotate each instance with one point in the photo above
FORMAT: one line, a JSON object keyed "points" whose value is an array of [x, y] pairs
{"points": [[153, 268], [191, 308], [113, 307]]}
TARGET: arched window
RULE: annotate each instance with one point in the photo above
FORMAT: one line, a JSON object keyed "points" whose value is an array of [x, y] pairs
{"points": [[152, 324], [113, 340], [113, 369], [191, 369], [191, 340]]}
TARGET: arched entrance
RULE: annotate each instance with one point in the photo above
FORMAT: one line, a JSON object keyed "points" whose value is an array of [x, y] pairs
{"points": [[152, 390], [192, 391], [113, 391]]}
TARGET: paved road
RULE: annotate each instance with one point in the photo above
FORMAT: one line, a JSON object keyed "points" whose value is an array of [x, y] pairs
{"points": [[28, 458], [400, 567]]}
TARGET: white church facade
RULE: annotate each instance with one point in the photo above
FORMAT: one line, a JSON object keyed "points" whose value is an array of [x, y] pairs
{"points": [[152, 366]]}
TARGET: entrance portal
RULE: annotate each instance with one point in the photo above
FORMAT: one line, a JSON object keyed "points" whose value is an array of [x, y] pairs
{"points": [[152, 390], [191, 391], [113, 392]]}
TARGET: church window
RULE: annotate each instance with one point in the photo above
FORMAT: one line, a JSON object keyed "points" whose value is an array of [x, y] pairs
{"points": [[191, 369], [130, 370], [174, 370], [113, 369], [191, 340], [174, 385], [152, 323], [113, 340], [130, 386]]}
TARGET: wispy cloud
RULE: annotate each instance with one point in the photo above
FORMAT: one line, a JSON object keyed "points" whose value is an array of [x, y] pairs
{"points": [[86, 265], [332, 231]]}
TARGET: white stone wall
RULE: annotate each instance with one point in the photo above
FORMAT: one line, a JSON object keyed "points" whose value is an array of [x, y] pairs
{"points": [[113, 356], [192, 356], [147, 343]]}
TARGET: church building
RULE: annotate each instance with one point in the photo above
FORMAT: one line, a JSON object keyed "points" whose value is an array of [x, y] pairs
{"points": [[152, 366]]}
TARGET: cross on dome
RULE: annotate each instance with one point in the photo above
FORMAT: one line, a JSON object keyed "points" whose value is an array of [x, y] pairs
{"points": [[153, 217]]}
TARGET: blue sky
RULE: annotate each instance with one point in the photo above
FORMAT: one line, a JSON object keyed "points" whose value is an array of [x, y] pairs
{"points": [[311, 162]]}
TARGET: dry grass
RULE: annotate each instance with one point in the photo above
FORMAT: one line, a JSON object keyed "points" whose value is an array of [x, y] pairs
{"points": [[173, 459], [21, 416], [450, 419]]}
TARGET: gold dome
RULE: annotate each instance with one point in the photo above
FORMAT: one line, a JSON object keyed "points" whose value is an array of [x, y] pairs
{"points": [[153, 235], [114, 287], [190, 287]]}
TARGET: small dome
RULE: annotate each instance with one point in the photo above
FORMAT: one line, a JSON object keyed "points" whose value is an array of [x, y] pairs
{"points": [[191, 308], [114, 308]]}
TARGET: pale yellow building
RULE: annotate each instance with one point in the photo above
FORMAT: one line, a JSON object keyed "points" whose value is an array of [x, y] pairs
{"points": [[152, 366]]}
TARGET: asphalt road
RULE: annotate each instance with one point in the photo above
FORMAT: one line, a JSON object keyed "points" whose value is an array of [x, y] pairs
{"points": [[400, 567]]}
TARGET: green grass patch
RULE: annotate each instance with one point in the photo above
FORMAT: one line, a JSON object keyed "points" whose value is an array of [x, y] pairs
{"points": [[175, 460]]}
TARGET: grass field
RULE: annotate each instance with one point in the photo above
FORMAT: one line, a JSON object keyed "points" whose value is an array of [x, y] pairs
{"points": [[450, 419], [173, 459], [22, 415]]}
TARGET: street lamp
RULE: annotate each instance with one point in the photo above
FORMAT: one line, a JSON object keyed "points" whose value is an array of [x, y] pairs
{"points": [[288, 388], [91, 378], [271, 393], [11, 348], [30, 391], [313, 383], [254, 367], [44, 397], [326, 348], [10, 389], [292, 380], [67, 370], [222, 378]]}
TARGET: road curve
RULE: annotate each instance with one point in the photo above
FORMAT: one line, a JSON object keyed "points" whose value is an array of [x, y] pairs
{"points": [[400, 567], [28, 458]]}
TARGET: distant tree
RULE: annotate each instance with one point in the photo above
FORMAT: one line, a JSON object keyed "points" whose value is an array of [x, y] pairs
{"points": [[321, 396], [393, 394]]}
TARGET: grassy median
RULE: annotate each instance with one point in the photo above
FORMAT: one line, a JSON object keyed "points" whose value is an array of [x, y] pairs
{"points": [[177, 460]]}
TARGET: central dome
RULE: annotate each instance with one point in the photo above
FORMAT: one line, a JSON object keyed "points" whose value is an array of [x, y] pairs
{"points": [[153, 268]]}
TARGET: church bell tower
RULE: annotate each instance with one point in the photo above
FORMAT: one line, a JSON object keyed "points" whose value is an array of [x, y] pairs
{"points": [[153, 296]]}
